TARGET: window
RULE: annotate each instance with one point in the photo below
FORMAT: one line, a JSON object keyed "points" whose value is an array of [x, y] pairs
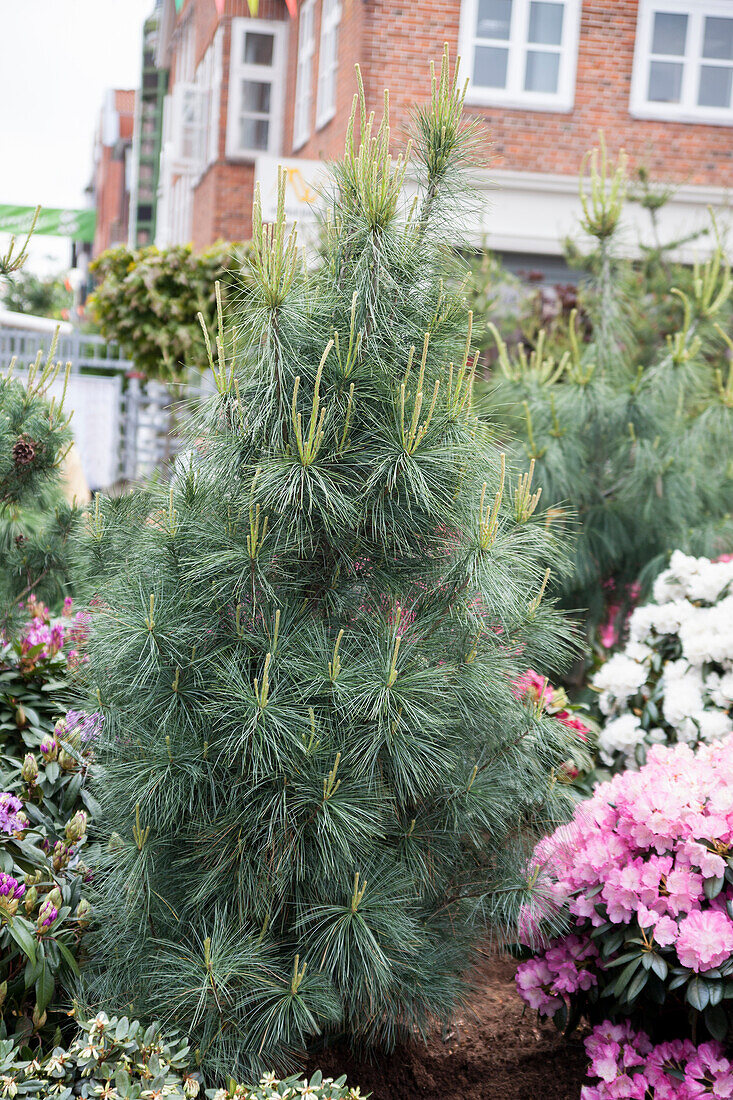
{"points": [[683, 63], [256, 81], [521, 53], [188, 125], [328, 61], [208, 78], [304, 77]]}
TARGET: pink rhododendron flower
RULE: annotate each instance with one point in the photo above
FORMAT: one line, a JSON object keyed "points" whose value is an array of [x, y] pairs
{"points": [[530, 685], [705, 940], [676, 1070], [638, 854]]}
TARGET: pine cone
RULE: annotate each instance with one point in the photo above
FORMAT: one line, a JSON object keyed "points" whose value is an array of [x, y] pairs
{"points": [[24, 451]]}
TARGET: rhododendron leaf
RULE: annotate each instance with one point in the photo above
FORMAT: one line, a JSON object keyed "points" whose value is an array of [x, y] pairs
{"points": [[68, 957], [626, 975], [625, 958], [716, 1021], [44, 987], [613, 942], [22, 932], [713, 886], [637, 985], [697, 994], [680, 977], [659, 966], [715, 991]]}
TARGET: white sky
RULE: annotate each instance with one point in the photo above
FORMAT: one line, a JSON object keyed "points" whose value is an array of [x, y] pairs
{"points": [[57, 58]]}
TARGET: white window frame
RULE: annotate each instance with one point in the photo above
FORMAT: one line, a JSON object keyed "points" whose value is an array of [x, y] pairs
{"points": [[330, 22], [513, 93], [303, 102], [208, 78], [687, 110], [275, 74], [189, 108]]}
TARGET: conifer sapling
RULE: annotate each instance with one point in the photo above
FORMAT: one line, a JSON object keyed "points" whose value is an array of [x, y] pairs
{"points": [[316, 780]]}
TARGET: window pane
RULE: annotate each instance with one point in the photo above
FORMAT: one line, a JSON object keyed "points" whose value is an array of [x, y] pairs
{"points": [[670, 33], [718, 39], [258, 48], [545, 23], [665, 82], [256, 96], [542, 71], [715, 85], [254, 133], [494, 18], [489, 67]]}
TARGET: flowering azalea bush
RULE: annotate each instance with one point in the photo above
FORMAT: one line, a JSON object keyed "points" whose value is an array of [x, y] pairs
{"points": [[120, 1059], [44, 811], [625, 1063], [644, 871], [43, 916], [673, 681], [44, 749]]}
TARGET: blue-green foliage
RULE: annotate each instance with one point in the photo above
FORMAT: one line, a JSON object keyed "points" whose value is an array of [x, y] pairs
{"points": [[316, 783]]}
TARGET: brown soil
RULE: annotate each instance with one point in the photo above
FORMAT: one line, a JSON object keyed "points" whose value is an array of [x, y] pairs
{"points": [[494, 1051]]}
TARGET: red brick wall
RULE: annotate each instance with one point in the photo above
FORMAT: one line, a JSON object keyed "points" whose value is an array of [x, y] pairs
{"points": [[328, 142], [222, 204], [394, 40], [222, 198]]}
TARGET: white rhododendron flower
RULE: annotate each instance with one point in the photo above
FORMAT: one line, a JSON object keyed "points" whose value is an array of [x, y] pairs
{"points": [[673, 681], [620, 735]]}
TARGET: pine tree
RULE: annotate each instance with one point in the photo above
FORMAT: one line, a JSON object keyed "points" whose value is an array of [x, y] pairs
{"points": [[35, 521], [316, 783], [635, 457]]}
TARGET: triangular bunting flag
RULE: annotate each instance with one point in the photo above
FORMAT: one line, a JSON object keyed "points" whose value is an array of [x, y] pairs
{"points": [[220, 6], [292, 7]]}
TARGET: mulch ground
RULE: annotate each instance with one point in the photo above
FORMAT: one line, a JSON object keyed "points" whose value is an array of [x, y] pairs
{"points": [[495, 1051]]}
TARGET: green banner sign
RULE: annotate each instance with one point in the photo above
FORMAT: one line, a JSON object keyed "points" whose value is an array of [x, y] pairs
{"points": [[78, 224]]}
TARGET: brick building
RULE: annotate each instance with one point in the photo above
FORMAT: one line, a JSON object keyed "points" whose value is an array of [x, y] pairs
{"points": [[545, 75], [110, 185]]}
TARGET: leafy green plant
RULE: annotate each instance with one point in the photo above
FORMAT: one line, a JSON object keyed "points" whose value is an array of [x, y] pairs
{"points": [[270, 1087], [148, 298], [317, 784], [121, 1059], [29, 293], [114, 1058]]}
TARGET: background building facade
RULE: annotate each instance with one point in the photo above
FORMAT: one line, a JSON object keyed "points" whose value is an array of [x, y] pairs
{"points": [[111, 178], [545, 76]]}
